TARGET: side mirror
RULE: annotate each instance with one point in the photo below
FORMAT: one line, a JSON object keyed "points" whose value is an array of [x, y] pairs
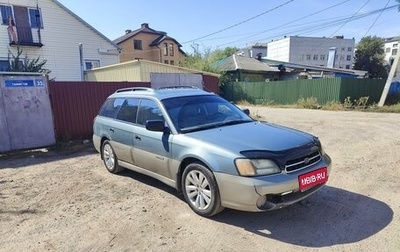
{"points": [[246, 111], [155, 125]]}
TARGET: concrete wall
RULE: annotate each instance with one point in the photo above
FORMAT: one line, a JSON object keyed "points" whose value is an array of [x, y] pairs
{"points": [[26, 117]]}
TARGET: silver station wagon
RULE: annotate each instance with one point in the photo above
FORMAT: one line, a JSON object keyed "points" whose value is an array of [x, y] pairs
{"points": [[207, 148]]}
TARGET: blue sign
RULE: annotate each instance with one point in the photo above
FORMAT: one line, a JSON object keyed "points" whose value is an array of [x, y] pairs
{"points": [[24, 83]]}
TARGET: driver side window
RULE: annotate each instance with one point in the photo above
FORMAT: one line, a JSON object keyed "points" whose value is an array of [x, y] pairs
{"points": [[148, 110]]}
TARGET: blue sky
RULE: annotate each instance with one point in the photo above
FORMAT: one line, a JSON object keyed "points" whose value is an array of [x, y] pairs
{"points": [[216, 24]]}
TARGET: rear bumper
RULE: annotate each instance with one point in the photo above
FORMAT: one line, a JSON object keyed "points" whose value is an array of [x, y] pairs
{"points": [[267, 192], [96, 142]]}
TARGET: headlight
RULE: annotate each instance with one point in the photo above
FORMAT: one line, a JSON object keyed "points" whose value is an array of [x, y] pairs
{"points": [[316, 140], [256, 167]]}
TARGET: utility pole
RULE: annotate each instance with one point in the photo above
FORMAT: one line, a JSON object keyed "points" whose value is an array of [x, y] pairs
{"points": [[393, 74]]}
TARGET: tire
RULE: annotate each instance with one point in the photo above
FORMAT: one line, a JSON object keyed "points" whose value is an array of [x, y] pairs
{"points": [[109, 157], [200, 190]]}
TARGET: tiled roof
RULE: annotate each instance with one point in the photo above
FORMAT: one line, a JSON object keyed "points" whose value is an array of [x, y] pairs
{"points": [[237, 62], [144, 28]]}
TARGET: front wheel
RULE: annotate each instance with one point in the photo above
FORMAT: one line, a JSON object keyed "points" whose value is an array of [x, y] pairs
{"points": [[110, 158], [200, 190]]}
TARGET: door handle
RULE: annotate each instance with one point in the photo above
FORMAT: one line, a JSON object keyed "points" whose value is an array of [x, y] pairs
{"points": [[138, 138], [111, 130]]}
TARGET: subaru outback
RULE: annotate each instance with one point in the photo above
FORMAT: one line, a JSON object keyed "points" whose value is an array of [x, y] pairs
{"points": [[208, 149]]}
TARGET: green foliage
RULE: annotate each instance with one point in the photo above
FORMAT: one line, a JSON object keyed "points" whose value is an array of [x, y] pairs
{"points": [[31, 65], [370, 56], [204, 61]]}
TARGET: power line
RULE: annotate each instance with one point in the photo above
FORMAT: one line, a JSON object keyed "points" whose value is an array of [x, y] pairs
{"points": [[242, 22], [291, 22], [376, 19], [310, 27], [351, 18]]}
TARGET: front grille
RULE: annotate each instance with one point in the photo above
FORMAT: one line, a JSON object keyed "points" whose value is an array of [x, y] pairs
{"points": [[302, 162]]}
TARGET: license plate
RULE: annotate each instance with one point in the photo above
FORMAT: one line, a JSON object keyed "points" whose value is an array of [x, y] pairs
{"points": [[308, 180]]}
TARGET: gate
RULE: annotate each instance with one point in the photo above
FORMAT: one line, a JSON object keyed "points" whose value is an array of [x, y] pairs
{"points": [[25, 113]]}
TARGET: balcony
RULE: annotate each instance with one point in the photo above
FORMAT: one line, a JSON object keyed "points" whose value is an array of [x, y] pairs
{"points": [[22, 36]]}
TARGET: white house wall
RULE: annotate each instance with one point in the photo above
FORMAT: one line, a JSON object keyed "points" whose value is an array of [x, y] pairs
{"points": [[61, 35], [312, 51]]}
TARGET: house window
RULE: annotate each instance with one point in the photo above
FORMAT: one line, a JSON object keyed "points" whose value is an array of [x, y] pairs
{"points": [[348, 57], [90, 64], [394, 52], [171, 50], [6, 11], [322, 57], [166, 49], [315, 57], [165, 61], [347, 66], [308, 57], [349, 49], [171, 62], [6, 64], [395, 45], [35, 18], [387, 50], [137, 44], [343, 48]]}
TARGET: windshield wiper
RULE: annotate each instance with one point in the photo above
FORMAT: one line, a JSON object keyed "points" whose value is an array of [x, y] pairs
{"points": [[233, 122]]}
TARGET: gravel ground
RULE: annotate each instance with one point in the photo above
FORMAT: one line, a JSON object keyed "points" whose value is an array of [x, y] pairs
{"points": [[67, 201]]}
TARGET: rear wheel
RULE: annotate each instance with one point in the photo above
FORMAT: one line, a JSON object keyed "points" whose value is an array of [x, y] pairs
{"points": [[109, 157], [200, 190]]}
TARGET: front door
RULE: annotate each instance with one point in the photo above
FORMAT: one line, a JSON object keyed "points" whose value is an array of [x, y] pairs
{"points": [[152, 149]]}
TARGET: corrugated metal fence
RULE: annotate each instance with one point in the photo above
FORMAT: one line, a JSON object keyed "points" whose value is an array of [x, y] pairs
{"points": [[289, 92], [75, 105]]}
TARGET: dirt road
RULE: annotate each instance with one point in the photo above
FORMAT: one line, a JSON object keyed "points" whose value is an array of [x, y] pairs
{"points": [[67, 201]]}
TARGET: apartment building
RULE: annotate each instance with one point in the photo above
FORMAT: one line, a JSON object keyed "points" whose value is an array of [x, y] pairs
{"points": [[391, 48], [313, 51]]}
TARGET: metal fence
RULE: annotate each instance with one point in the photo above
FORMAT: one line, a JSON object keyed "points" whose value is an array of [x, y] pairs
{"points": [[289, 92], [75, 105]]}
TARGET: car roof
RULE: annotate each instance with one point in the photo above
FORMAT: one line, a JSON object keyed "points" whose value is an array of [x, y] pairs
{"points": [[160, 94]]}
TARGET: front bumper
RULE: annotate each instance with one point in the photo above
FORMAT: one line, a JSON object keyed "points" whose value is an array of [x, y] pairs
{"points": [[266, 192]]}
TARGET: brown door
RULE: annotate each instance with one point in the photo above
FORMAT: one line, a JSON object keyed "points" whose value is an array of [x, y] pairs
{"points": [[24, 31]]}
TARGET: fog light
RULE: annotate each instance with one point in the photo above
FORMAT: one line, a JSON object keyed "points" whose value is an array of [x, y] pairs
{"points": [[261, 201]]}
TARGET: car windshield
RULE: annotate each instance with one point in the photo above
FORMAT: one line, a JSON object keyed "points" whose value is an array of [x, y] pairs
{"points": [[192, 113]]}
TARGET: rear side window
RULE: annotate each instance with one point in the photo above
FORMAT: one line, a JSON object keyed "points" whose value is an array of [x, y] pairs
{"points": [[128, 111], [111, 107]]}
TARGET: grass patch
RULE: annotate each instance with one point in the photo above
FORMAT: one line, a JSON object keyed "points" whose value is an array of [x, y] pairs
{"points": [[312, 103]]}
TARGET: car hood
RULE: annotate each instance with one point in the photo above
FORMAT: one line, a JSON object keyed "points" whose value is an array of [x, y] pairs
{"points": [[257, 136]]}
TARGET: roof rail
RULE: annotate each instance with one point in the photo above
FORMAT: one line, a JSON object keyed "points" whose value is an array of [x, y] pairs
{"points": [[177, 87], [133, 89]]}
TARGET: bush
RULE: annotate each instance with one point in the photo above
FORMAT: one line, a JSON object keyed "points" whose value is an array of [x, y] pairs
{"points": [[308, 103]]}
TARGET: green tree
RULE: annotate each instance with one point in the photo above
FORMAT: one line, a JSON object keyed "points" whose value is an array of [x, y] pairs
{"points": [[370, 57], [204, 61], [24, 64]]}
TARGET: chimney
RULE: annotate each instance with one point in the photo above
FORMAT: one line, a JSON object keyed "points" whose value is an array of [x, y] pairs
{"points": [[145, 25], [127, 31]]}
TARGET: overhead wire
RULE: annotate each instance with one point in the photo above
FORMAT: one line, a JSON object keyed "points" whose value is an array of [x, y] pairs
{"points": [[310, 27], [237, 24], [291, 22], [372, 25]]}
